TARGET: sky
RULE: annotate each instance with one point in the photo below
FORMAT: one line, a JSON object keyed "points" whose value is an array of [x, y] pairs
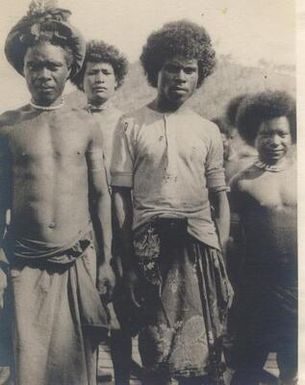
{"points": [[245, 29]]}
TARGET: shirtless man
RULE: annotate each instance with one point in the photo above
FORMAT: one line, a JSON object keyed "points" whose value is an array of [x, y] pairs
{"points": [[51, 155], [264, 197], [103, 72]]}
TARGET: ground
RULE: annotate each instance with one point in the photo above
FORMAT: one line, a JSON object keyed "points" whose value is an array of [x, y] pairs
{"points": [[106, 369]]}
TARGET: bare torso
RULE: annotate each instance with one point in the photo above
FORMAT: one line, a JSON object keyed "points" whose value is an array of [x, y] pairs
{"points": [[49, 173], [267, 205]]}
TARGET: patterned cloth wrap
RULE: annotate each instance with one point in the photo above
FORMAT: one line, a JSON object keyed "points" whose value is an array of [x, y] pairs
{"points": [[186, 294]]}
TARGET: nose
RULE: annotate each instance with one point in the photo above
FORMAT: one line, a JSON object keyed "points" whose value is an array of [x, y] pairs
{"points": [[44, 74], [275, 141], [99, 78], [181, 76]]}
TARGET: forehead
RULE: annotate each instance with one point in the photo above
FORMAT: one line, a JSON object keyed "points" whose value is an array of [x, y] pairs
{"points": [[91, 66], [45, 52], [275, 124], [181, 62]]}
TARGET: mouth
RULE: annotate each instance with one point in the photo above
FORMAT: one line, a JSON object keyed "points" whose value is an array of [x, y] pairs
{"points": [[99, 89], [275, 153], [46, 88], [179, 90]]}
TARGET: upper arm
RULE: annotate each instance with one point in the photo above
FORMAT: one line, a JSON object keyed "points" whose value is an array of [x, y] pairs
{"points": [[5, 172], [214, 170], [95, 162], [122, 163]]}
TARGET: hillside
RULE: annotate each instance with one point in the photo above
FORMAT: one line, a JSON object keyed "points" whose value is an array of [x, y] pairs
{"points": [[228, 80]]}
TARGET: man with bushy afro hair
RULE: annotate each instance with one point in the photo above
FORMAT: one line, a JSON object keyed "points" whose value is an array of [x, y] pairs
{"points": [[178, 38], [167, 172], [263, 106], [98, 51]]}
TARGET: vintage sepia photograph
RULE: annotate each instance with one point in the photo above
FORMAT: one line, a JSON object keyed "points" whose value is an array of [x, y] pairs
{"points": [[148, 192]]}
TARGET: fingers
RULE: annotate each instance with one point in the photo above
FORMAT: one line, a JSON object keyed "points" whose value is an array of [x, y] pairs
{"points": [[133, 298], [1, 299], [105, 289]]}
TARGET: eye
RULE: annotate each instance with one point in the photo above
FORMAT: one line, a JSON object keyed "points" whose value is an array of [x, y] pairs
{"points": [[53, 67], [172, 68], [189, 70], [32, 67]]}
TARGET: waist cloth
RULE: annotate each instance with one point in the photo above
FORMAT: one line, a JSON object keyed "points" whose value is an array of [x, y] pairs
{"points": [[186, 294], [267, 304], [58, 315]]}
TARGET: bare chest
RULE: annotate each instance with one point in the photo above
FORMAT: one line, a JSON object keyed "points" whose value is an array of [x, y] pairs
{"points": [[273, 190], [43, 142]]}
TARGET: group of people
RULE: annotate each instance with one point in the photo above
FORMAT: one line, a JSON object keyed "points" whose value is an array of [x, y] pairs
{"points": [[121, 222]]}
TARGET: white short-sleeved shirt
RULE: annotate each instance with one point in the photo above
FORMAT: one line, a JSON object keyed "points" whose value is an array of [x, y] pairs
{"points": [[170, 161]]}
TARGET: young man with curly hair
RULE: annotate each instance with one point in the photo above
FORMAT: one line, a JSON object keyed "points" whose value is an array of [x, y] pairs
{"points": [[103, 72], [51, 156], [171, 160], [264, 198]]}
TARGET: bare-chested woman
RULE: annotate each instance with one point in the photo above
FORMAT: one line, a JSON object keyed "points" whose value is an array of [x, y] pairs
{"points": [[264, 197], [51, 156]]}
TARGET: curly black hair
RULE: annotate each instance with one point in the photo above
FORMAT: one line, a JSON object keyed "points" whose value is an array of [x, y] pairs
{"points": [[232, 109], [97, 52], [179, 38], [263, 106]]}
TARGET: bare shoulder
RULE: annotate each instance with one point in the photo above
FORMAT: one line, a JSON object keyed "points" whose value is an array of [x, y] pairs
{"points": [[9, 119], [85, 122], [242, 179]]}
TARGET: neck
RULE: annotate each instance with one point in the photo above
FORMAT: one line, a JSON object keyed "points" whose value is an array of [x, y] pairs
{"points": [[99, 105], [48, 107], [272, 162], [163, 105], [274, 166]]}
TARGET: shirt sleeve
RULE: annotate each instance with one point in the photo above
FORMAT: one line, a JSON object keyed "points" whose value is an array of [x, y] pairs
{"points": [[214, 170], [122, 155]]}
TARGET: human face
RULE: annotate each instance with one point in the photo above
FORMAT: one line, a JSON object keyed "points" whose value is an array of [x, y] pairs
{"points": [[273, 140], [46, 71], [99, 82], [177, 81]]}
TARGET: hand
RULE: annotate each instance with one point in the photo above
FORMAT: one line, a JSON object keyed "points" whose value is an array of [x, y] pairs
{"points": [[131, 282], [105, 281], [3, 286]]}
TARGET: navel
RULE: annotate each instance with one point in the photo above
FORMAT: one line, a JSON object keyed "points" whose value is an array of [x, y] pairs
{"points": [[52, 225]]}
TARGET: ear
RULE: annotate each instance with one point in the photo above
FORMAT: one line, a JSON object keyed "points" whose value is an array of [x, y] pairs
{"points": [[116, 84], [69, 73]]}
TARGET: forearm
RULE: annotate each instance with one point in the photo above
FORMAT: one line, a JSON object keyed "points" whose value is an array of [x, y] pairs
{"points": [[122, 204], [103, 228], [221, 216], [3, 259]]}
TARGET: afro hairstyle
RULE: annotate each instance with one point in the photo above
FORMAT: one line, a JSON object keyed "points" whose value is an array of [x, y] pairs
{"points": [[257, 108], [100, 52], [232, 109], [179, 38]]}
